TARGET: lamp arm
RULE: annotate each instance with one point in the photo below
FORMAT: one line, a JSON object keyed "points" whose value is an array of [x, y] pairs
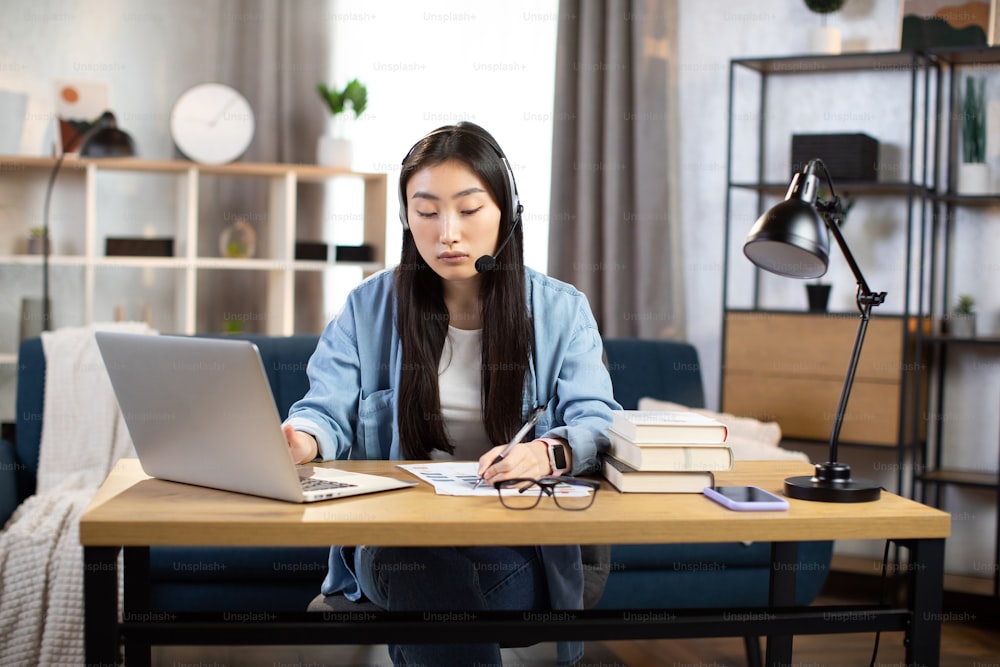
{"points": [[830, 212], [852, 367]]}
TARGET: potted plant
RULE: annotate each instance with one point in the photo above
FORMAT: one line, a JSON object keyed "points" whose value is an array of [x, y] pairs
{"points": [[818, 292], [334, 148], [963, 317], [36, 241], [825, 39], [973, 172]]}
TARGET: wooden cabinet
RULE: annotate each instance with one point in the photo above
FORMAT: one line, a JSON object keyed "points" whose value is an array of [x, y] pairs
{"points": [[790, 368], [87, 284]]}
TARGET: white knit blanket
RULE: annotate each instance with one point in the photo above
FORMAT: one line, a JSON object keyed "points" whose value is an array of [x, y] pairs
{"points": [[41, 560]]}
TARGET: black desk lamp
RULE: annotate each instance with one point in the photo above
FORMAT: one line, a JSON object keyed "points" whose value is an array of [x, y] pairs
{"points": [[103, 139], [790, 240]]}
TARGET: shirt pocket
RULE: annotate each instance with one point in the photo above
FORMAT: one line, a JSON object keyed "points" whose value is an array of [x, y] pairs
{"points": [[375, 420]]}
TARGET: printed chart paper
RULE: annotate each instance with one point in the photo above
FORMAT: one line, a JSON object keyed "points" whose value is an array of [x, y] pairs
{"points": [[458, 478]]}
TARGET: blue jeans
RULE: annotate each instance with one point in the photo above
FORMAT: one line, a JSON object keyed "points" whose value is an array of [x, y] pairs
{"points": [[451, 579]]}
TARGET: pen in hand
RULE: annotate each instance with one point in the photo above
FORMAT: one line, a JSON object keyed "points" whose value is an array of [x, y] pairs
{"points": [[532, 418]]}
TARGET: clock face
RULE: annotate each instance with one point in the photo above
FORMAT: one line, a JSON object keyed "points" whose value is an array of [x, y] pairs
{"points": [[212, 123]]}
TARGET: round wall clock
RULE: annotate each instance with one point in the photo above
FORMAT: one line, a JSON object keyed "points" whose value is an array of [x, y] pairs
{"points": [[212, 123]]}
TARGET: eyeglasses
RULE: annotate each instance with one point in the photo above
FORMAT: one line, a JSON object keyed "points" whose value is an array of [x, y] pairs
{"points": [[569, 493]]}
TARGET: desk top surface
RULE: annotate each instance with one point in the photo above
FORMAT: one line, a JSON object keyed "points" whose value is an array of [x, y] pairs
{"points": [[132, 509]]}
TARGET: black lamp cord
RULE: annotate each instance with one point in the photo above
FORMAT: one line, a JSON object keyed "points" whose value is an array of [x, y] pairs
{"points": [[881, 601], [46, 314]]}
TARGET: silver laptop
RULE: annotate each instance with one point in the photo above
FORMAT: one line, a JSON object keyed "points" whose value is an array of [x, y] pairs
{"points": [[200, 411]]}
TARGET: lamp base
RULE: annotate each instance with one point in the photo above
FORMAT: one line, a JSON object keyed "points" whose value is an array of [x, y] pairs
{"points": [[832, 483]]}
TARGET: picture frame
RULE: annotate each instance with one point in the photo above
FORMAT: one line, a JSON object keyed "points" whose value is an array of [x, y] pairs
{"points": [[78, 104], [947, 23]]}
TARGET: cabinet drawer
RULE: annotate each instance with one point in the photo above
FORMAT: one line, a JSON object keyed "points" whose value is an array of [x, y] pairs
{"points": [[790, 368], [804, 407], [808, 345]]}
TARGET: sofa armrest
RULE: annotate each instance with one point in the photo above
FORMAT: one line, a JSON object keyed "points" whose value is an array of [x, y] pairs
{"points": [[8, 481]]}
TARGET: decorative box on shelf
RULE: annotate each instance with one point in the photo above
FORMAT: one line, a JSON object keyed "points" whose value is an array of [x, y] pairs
{"points": [[312, 250], [849, 157], [138, 247], [355, 253]]}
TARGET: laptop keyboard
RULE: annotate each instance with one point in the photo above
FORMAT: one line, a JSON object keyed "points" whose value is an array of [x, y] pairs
{"points": [[322, 484]]}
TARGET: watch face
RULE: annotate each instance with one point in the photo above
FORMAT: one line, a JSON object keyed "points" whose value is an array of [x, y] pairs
{"points": [[212, 123]]}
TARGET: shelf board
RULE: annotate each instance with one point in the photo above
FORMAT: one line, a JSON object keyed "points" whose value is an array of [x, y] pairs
{"points": [[944, 339], [304, 172], [989, 480], [969, 200], [846, 62], [8, 359], [967, 55], [54, 260], [224, 263], [843, 186]]}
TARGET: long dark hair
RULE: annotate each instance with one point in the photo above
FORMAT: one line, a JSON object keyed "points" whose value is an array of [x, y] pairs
{"points": [[422, 317]]}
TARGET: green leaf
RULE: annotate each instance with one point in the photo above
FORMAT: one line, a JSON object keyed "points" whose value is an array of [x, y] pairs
{"points": [[354, 92]]}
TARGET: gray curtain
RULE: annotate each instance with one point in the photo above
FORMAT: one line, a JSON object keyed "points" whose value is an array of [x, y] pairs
{"points": [[274, 52], [613, 232]]}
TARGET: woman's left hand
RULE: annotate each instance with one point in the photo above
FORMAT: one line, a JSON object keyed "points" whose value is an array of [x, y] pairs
{"points": [[528, 459]]}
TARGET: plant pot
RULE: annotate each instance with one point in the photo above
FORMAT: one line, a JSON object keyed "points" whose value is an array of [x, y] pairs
{"points": [[332, 151], [974, 178], [825, 40], [819, 295], [36, 245], [962, 325]]}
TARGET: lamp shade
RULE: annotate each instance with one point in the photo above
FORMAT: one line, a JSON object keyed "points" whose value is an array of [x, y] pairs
{"points": [[791, 240], [106, 140]]}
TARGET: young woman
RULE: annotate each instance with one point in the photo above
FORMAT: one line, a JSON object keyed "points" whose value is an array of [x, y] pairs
{"points": [[445, 356]]}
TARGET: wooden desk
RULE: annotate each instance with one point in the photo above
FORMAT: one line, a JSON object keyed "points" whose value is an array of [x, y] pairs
{"points": [[136, 512]]}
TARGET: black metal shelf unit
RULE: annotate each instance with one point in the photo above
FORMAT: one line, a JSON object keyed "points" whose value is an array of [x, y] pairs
{"points": [[930, 472], [913, 184]]}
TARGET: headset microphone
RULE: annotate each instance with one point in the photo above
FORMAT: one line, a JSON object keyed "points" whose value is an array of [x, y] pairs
{"points": [[489, 262]]}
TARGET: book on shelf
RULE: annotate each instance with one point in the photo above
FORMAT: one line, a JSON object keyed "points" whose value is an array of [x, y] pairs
{"points": [[629, 480], [668, 457], [668, 427]]}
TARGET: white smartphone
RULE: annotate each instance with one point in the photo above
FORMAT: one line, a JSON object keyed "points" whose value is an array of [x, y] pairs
{"points": [[746, 498]]}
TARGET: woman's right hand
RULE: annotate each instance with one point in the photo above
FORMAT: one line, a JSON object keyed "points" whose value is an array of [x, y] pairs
{"points": [[302, 445]]}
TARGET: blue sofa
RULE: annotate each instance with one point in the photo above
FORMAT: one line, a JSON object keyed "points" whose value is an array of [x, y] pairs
{"points": [[287, 579]]}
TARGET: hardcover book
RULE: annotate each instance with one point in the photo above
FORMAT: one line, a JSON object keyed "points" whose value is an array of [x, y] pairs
{"points": [[679, 457], [668, 427], [629, 480]]}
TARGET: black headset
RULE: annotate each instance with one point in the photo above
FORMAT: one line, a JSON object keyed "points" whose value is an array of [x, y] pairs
{"points": [[515, 207]]}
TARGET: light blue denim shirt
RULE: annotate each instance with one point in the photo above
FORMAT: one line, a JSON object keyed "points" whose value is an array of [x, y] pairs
{"points": [[351, 406]]}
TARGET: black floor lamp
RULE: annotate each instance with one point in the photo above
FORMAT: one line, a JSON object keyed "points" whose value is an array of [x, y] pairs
{"points": [[103, 139], [792, 239]]}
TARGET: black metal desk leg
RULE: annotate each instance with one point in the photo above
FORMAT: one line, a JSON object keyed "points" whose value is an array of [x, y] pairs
{"points": [[100, 600], [784, 563], [923, 643], [136, 601]]}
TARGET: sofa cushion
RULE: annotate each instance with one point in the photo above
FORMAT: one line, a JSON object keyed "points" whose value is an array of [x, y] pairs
{"points": [[689, 557], [660, 368], [217, 564], [738, 575]]}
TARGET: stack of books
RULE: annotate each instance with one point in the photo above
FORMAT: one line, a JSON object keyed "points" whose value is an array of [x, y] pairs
{"points": [[665, 452]]}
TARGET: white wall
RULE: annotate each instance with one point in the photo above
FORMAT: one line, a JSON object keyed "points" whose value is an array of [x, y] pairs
{"points": [[437, 62]]}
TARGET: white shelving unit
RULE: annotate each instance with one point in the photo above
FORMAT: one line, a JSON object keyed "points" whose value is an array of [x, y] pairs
{"points": [[191, 264]]}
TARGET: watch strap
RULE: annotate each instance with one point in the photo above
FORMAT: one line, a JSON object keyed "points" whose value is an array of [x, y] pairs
{"points": [[557, 456]]}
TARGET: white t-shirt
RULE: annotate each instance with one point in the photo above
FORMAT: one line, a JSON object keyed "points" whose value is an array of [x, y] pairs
{"points": [[460, 382]]}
